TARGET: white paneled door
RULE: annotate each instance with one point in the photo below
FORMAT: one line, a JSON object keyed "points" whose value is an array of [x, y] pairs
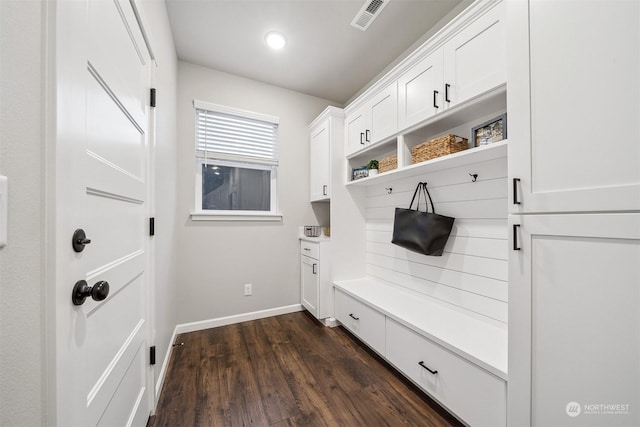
{"points": [[100, 82]]}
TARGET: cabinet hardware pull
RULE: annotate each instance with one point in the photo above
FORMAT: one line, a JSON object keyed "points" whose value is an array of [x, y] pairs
{"points": [[353, 317], [515, 191], [421, 363], [361, 138], [446, 92], [435, 99], [515, 237], [314, 269], [324, 190], [367, 138], [307, 249]]}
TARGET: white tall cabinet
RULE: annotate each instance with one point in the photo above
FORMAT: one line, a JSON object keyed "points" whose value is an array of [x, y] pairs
{"points": [[574, 175]]}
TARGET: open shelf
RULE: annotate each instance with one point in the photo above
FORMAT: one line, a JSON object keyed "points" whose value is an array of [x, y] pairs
{"points": [[462, 158]]}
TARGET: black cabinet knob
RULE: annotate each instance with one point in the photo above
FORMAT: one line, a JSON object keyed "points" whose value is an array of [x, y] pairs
{"points": [[82, 290]]}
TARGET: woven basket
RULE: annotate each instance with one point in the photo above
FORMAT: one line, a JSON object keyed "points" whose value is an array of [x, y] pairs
{"points": [[388, 163], [441, 146]]}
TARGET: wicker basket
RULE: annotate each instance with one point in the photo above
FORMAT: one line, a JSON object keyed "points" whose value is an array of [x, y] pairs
{"points": [[312, 230], [388, 163], [441, 146]]}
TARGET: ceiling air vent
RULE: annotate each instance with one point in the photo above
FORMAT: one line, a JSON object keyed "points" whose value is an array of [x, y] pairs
{"points": [[369, 11]]}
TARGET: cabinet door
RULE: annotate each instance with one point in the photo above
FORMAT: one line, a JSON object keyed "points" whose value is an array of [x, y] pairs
{"points": [[420, 93], [309, 271], [382, 114], [574, 104], [320, 163], [475, 60], [355, 125], [574, 320]]}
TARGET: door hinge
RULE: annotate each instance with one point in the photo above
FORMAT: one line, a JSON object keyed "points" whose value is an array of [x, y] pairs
{"points": [[152, 355], [152, 226], [152, 97]]}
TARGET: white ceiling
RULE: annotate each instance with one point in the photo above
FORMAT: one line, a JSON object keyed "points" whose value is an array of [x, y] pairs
{"points": [[325, 56]]}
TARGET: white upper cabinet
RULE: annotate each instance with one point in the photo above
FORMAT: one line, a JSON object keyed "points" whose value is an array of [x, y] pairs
{"points": [[382, 114], [475, 59], [320, 163], [326, 127], [355, 127], [419, 89], [470, 63], [574, 133], [376, 120]]}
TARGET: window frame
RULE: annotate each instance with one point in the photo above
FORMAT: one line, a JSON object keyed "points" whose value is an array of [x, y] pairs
{"points": [[203, 157]]}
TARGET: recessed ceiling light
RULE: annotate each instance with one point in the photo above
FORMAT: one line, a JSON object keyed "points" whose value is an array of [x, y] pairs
{"points": [[275, 40]]}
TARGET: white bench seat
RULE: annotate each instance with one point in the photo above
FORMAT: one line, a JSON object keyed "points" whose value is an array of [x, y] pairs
{"points": [[478, 339]]}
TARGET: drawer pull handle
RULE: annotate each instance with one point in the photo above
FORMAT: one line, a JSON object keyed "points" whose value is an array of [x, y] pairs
{"points": [[307, 249], [421, 363], [353, 317]]}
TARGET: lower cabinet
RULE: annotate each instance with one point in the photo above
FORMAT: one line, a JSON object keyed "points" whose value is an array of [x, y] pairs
{"points": [[474, 395], [574, 320], [310, 285], [361, 320], [315, 276]]}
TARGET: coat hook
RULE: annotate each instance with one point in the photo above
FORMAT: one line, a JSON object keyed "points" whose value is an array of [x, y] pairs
{"points": [[474, 176], [389, 189]]}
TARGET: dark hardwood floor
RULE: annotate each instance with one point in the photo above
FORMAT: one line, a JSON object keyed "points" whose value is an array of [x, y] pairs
{"points": [[286, 371]]}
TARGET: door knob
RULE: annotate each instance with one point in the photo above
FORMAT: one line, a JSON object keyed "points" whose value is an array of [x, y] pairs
{"points": [[82, 290], [79, 240]]}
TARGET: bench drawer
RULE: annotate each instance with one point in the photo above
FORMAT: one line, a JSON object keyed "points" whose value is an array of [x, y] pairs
{"points": [[363, 321], [470, 392]]}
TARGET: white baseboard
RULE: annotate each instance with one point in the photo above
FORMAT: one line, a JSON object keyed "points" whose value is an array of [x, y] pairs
{"points": [[165, 365], [230, 320], [214, 323]]}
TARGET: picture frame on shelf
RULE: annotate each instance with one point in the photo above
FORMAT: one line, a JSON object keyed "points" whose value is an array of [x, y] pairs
{"points": [[359, 173], [491, 131]]}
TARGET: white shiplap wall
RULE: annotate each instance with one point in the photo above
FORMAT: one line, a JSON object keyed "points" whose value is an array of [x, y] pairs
{"points": [[472, 272]]}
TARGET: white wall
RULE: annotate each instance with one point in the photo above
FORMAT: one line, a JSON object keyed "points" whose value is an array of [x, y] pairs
{"points": [[156, 23], [215, 259], [21, 262]]}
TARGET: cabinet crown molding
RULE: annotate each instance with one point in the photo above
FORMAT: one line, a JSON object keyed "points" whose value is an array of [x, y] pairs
{"points": [[330, 111], [457, 24]]}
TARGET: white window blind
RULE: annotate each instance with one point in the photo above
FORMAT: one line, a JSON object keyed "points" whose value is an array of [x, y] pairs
{"points": [[229, 134]]}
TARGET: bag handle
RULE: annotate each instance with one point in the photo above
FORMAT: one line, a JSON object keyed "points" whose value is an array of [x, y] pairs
{"points": [[422, 186]]}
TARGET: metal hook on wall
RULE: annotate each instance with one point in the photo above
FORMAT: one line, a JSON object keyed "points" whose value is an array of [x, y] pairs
{"points": [[389, 189], [474, 177]]}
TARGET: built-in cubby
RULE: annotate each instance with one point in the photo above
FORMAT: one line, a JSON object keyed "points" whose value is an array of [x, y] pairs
{"points": [[453, 306], [458, 120]]}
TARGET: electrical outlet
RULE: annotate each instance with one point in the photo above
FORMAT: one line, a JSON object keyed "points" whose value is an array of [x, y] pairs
{"points": [[248, 289]]}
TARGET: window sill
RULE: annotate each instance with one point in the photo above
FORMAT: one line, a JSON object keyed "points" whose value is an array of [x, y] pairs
{"points": [[236, 216]]}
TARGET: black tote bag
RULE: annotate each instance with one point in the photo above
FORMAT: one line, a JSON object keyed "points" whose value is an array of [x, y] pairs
{"points": [[422, 232]]}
